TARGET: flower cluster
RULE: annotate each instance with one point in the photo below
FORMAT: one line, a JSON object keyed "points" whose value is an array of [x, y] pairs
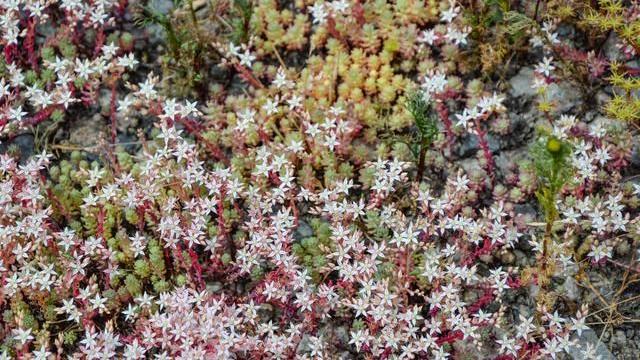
{"points": [[42, 79]]}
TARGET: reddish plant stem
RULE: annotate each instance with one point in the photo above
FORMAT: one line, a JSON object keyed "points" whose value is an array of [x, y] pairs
{"points": [[122, 7], [248, 76], [486, 298], [140, 212], [9, 53], [54, 199], [30, 43], [294, 208], [358, 13], [195, 265], [486, 151], [100, 226], [222, 231], [450, 338], [331, 28], [41, 115], [100, 38], [487, 247], [443, 113]]}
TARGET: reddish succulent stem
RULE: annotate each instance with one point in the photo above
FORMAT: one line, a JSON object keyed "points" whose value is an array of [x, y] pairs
{"points": [[486, 248], [195, 264], [486, 151], [9, 53], [296, 213], [122, 7], [331, 28], [41, 115], [30, 43], [443, 113], [248, 76], [358, 13], [100, 38], [100, 226], [450, 338], [486, 298], [54, 199]]}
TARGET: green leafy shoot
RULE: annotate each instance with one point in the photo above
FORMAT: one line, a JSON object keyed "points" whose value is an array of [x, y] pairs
{"points": [[147, 15], [427, 126], [243, 11], [552, 162]]}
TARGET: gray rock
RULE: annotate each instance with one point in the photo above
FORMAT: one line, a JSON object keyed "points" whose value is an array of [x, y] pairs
{"points": [[87, 132], [635, 155], [602, 98], [214, 287], [522, 129], [524, 310], [589, 337], [565, 30], [565, 95], [25, 144], [239, 288], [525, 209], [341, 334], [520, 85], [303, 345], [470, 145], [611, 51], [303, 230], [521, 258], [162, 6], [533, 291], [571, 288]]}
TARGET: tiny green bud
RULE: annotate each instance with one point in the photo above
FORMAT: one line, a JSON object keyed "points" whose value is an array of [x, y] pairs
{"points": [[554, 145]]}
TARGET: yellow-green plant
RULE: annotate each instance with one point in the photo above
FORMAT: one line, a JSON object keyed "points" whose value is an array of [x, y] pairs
{"points": [[614, 16], [552, 163], [625, 104]]}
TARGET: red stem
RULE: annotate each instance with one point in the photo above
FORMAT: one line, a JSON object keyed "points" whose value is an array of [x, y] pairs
{"points": [[486, 151], [30, 43], [41, 115], [443, 113], [9, 53], [248, 76], [100, 38]]}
